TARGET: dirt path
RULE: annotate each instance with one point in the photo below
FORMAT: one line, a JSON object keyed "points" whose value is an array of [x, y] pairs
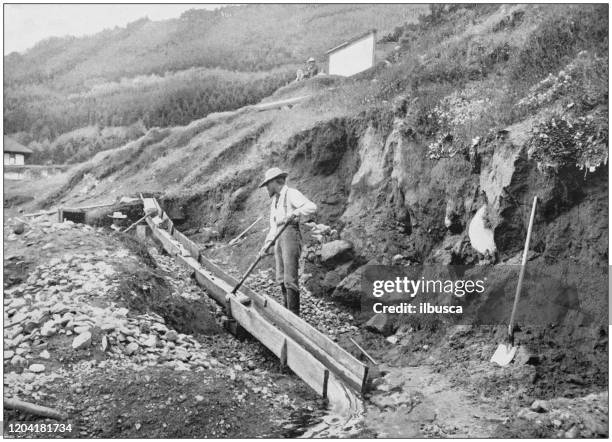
{"points": [[415, 402]]}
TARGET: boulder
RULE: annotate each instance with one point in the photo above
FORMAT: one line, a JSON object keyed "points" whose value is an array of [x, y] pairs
{"points": [[382, 324], [333, 278], [81, 341], [348, 291], [336, 252], [330, 281]]}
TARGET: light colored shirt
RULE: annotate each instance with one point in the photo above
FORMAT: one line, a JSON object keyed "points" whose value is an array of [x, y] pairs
{"points": [[288, 201]]}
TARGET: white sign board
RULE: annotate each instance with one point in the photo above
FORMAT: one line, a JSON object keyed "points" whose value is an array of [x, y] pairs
{"points": [[354, 57]]}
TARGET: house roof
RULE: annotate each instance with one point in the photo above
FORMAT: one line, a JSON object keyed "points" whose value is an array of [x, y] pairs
{"points": [[352, 40], [11, 145]]}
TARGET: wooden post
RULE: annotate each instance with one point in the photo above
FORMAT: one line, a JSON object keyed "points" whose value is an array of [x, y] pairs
{"points": [[60, 215]]}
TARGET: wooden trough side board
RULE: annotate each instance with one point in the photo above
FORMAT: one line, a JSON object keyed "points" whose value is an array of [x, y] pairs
{"points": [[315, 358], [352, 370]]}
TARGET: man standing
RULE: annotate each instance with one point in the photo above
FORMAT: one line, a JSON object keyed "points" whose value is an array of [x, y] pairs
{"points": [[288, 205]]}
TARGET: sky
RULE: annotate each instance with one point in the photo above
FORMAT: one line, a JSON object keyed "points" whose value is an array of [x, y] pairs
{"points": [[27, 24]]}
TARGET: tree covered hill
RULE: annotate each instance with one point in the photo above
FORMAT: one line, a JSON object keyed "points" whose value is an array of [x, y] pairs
{"points": [[238, 38], [171, 72]]}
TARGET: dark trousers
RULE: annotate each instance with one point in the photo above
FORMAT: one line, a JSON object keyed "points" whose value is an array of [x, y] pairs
{"points": [[287, 252]]}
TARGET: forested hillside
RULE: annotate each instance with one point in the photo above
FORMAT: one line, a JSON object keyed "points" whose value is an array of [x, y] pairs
{"points": [[165, 73]]}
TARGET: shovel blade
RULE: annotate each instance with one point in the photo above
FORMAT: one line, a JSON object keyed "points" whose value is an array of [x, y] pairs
{"points": [[503, 354]]}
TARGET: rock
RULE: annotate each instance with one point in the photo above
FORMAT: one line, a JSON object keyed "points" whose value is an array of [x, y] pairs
{"points": [[18, 361], [381, 323], [108, 326], [44, 354], [181, 354], [18, 302], [151, 341], [572, 433], [104, 343], [19, 228], [48, 329], [540, 406], [348, 291], [171, 335], [8, 354], [13, 332], [397, 259], [81, 341], [37, 368], [82, 329], [131, 348], [526, 413], [199, 398], [524, 356], [336, 252], [392, 339], [331, 280]]}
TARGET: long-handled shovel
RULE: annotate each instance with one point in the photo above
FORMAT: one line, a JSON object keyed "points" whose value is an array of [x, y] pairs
{"points": [[505, 352], [259, 257]]}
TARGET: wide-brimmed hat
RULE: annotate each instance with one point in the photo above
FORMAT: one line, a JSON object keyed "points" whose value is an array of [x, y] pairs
{"points": [[117, 215], [271, 174]]}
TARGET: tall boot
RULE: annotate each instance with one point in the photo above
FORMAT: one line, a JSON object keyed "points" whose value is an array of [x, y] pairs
{"points": [[284, 292], [293, 301]]}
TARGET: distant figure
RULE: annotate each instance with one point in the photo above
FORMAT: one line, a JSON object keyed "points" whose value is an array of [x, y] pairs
{"points": [[311, 68], [394, 57], [299, 75]]}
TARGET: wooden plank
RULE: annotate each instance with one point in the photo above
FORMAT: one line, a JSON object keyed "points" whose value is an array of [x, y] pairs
{"points": [[257, 326], [149, 206], [95, 206], [205, 279], [307, 367], [164, 238], [48, 212], [157, 206], [354, 370], [191, 247]]}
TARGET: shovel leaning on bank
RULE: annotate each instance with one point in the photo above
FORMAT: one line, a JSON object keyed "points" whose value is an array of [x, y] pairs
{"points": [[505, 352]]}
